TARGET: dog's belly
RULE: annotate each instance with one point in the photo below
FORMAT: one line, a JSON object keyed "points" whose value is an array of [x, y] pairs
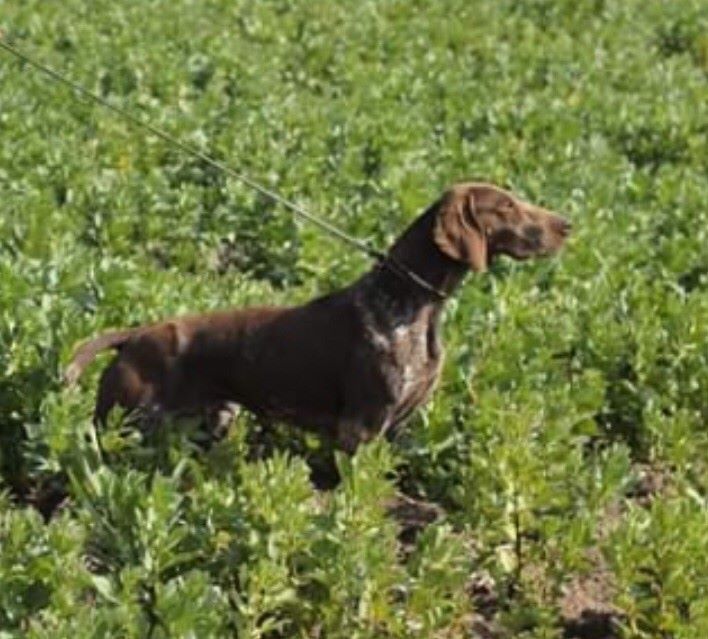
{"points": [[310, 401], [275, 381]]}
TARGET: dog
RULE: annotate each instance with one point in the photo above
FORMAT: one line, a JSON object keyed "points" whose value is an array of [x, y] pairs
{"points": [[350, 365]]}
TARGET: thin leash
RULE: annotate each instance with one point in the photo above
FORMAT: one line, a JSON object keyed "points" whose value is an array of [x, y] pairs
{"points": [[379, 256]]}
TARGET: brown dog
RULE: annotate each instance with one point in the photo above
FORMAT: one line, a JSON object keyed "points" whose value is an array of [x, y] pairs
{"points": [[350, 364]]}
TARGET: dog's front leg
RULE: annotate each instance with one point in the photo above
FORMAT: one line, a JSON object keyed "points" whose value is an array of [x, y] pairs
{"points": [[350, 434], [362, 427], [369, 404]]}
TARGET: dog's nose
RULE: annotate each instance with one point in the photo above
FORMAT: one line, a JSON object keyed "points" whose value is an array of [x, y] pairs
{"points": [[563, 226]]}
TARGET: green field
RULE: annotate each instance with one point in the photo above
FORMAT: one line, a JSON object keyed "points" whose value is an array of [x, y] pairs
{"points": [[565, 451]]}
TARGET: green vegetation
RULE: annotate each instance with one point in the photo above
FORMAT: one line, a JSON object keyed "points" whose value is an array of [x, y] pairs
{"points": [[566, 444]]}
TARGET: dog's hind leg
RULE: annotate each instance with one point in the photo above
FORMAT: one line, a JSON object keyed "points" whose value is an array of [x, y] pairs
{"points": [[120, 385], [219, 417]]}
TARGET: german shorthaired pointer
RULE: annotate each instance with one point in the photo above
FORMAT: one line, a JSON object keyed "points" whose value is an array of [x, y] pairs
{"points": [[351, 364]]}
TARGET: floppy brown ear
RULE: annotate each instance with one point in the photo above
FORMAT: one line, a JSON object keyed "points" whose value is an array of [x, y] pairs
{"points": [[458, 232]]}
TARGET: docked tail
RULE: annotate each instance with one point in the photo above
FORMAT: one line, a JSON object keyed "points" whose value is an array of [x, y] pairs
{"points": [[88, 351]]}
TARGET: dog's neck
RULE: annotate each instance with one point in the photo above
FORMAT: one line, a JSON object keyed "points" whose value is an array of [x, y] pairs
{"points": [[416, 250]]}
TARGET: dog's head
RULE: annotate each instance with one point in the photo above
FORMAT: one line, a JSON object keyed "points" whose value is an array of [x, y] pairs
{"points": [[477, 221]]}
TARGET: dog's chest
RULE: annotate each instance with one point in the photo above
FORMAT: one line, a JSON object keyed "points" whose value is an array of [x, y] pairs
{"points": [[409, 357]]}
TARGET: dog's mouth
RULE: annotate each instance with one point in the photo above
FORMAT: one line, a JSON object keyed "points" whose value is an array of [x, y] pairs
{"points": [[557, 230]]}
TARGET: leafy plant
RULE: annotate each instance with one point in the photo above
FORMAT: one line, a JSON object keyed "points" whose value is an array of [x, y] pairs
{"points": [[565, 444]]}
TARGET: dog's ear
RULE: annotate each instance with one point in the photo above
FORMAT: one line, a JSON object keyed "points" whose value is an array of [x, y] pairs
{"points": [[458, 233]]}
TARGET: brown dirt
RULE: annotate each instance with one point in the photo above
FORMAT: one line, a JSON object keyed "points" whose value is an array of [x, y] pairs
{"points": [[586, 605], [651, 481], [412, 515]]}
